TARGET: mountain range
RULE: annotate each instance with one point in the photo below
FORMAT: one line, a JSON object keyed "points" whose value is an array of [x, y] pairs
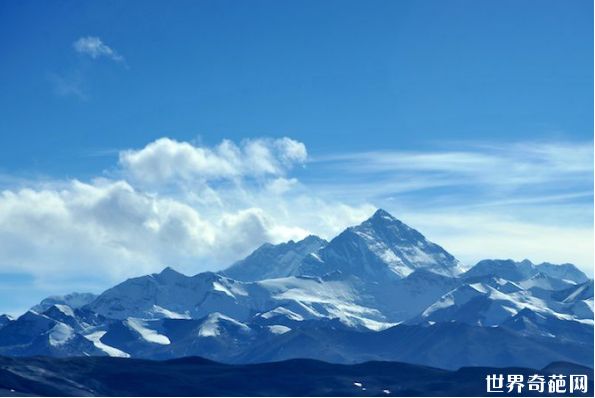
{"points": [[377, 291]]}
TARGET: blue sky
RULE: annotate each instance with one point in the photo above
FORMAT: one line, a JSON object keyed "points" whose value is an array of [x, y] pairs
{"points": [[472, 121]]}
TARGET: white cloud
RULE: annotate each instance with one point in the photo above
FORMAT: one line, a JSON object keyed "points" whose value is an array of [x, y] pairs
{"points": [[96, 229], [165, 160], [95, 48]]}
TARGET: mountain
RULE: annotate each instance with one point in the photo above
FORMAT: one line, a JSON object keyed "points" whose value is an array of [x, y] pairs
{"points": [[402, 299], [580, 292], [523, 270], [200, 377], [37, 334], [171, 294], [507, 269], [531, 323], [274, 261], [378, 291], [379, 248], [490, 301], [5, 320], [566, 272], [448, 345], [73, 300]]}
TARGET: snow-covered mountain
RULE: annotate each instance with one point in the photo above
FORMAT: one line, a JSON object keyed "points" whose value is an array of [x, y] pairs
{"points": [[73, 300], [274, 261], [38, 334], [379, 248], [523, 270], [173, 295], [379, 290]]}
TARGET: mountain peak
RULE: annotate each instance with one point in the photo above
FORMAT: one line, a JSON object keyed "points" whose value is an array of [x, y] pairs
{"points": [[382, 220], [380, 247], [274, 261], [312, 239], [168, 273], [382, 214], [168, 270]]}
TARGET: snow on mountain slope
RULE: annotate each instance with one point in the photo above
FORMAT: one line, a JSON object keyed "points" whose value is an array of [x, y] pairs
{"points": [[280, 313], [311, 298], [274, 261], [211, 327], [582, 309], [95, 338], [577, 300], [279, 329], [584, 291], [145, 332], [215, 336], [60, 334], [381, 247], [543, 281]]}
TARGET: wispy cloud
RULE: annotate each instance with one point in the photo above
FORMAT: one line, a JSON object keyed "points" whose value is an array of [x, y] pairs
{"points": [[95, 48], [73, 83], [519, 168], [484, 160], [72, 86]]}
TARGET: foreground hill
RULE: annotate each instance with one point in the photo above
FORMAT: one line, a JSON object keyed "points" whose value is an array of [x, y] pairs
{"points": [[193, 376]]}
